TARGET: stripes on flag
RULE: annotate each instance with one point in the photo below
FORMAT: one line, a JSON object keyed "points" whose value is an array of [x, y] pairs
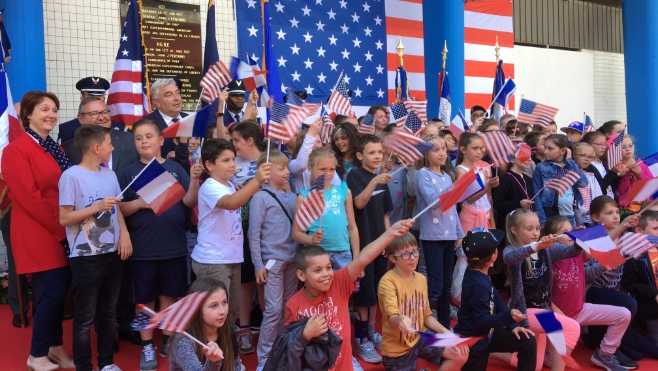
{"points": [[641, 190], [499, 146], [127, 98], [407, 146], [327, 126], [652, 163], [367, 126], [417, 106], [177, 316], [596, 242], [614, 151], [311, 209], [589, 125], [214, 81], [563, 183], [339, 101], [458, 125], [555, 333], [414, 124], [485, 22], [533, 113], [448, 199], [634, 244], [159, 189]]}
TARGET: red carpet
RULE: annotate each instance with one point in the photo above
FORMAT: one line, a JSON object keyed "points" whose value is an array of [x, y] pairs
{"points": [[15, 347]]}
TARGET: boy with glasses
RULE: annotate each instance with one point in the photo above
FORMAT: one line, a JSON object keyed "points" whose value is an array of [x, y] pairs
{"points": [[583, 154], [402, 294]]}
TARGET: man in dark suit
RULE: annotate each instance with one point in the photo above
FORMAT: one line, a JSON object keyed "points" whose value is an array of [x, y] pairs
{"points": [[89, 87], [235, 104], [167, 99], [93, 110]]}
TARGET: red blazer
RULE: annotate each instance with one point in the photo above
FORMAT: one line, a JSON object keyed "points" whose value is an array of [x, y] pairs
{"points": [[32, 175]]}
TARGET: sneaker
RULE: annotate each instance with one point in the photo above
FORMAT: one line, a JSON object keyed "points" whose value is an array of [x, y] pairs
{"points": [[355, 364], [147, 360], [625, 361], [110, 368], [164, 349], [366, 351], [376, 340], [608, 362], [453, 313], [255, 330], [244, 342]]}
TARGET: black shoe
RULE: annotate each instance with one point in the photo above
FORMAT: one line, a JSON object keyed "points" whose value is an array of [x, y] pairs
{"points": [[625, 361], [16, 321]]}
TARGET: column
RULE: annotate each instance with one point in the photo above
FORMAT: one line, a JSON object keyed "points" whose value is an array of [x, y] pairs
{"points": [[444, 20], [641, 65], [23, 21]]}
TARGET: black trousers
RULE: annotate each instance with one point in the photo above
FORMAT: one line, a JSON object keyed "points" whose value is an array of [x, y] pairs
{"points": [[504, 341]]}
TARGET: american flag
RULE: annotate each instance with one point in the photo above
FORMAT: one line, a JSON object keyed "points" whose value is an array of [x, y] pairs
{"points": [[532, 113], [313, 205], [589, 125], [417, 106], [563, 182], [407, 146], [276, 128], [327, 126], [177, 316], [399, 113], [367, 126], [652, 239], [128, 97], [614, 151], [414, 124], [339, 101], [315, 40], [635, 244], [216, 79], [141, 321], [499, 146], [292, 99]]}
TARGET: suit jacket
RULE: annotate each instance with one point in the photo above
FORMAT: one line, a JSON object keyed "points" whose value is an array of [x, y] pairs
{"points": [[123, 155], [228, 117], [32, 177], [169, 144], [67, 129]]}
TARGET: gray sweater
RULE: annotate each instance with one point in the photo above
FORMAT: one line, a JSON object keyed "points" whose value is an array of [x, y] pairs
{"points": [[270, 230], [514, 257]]}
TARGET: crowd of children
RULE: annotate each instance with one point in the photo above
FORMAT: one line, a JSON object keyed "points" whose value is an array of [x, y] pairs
{"points": [[358, 258]]}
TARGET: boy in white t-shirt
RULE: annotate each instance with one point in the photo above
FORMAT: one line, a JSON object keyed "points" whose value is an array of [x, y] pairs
{"points": [[218, 253]]}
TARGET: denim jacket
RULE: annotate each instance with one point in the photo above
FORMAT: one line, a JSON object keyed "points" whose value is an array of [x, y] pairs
{"points": [[545, 171]]}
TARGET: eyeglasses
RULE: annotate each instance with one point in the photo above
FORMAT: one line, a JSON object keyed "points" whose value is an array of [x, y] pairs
{"points": [[408, 255], [600, 144], [94, 114], [585, 157], [628, 147]]}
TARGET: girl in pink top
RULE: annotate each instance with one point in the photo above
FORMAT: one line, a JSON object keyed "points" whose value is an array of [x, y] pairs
{"points": [[633, 169]]}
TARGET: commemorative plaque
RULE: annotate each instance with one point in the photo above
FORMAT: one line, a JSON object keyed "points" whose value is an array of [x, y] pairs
{"points": [[172, 37]]}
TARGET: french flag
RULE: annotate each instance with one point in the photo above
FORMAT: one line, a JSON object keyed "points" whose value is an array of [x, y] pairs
{"points": [[596, 241], [476, 186], [157, 187], [446, 340], [554, 332], [251, 77], [652, 163], [458, 125], [194, 125], [642, 190], [456, 193]]}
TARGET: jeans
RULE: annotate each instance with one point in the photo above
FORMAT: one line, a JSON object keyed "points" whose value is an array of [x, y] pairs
{"points": [[439, 258], [12, 289], [47, 323], [97, 282], [504, 341]]}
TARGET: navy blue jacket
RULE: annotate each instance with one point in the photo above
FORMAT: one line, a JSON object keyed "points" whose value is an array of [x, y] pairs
{"points": [[169, 145], [482, 308]]}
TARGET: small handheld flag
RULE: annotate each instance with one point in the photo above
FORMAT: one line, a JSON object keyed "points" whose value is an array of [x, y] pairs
{"points": [[216, 79], [159, 189], [614, 150], [532, 113], [409, 147], [313, 205], [499, 146], [367, 126], [458, 125], [451, 197], [562, 184], [194, 125], [339, 101], [417, 106], [642, 190], [652, 164], [327, 126], [555, 333], [589, 125], [399, 113], [414, 124], [634, 244], [446, 340], [596, 241]]}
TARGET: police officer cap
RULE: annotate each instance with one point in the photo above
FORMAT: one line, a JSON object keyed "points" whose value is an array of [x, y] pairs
{"points": [[93, 85], [236, 87]]}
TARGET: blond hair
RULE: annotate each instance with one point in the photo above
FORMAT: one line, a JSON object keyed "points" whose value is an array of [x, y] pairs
{"points": [[316, 156], [513, 220], [276, 157], [425, 161]]}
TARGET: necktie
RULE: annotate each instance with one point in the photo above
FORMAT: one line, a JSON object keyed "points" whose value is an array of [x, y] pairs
{"points": [[237, 117], [173, 121]]}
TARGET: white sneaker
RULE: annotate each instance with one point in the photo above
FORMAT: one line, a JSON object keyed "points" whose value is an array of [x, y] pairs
{"points": [[366, 351]]}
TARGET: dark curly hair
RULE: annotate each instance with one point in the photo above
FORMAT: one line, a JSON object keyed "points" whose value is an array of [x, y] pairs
{"points": [[351, 133]]}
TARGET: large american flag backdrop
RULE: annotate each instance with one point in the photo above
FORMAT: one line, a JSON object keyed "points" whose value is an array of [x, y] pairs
{"points": [[315, 39], [483, 21]]}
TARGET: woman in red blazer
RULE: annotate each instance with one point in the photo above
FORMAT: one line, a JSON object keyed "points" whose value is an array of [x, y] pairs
{"points": [[32, 165]]}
